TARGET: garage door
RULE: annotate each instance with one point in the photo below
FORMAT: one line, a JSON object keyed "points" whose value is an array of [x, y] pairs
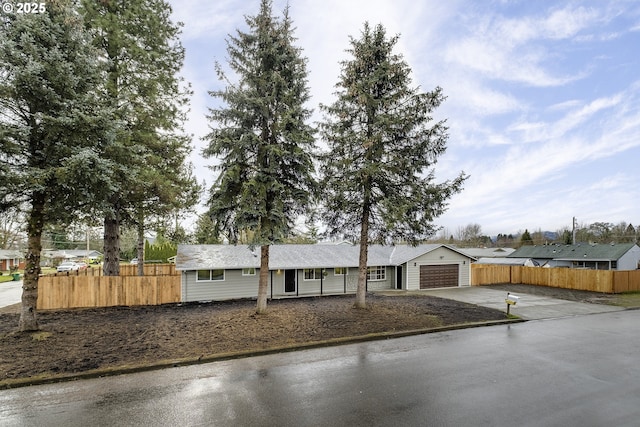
{"points": [[438, 276]]}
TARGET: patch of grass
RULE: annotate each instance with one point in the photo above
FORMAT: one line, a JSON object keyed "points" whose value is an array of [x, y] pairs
{"points": [[40, 336], [627, 300], [4, 278]]}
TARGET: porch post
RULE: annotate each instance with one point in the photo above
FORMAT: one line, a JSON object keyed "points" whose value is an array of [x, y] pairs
{"points": [[271, 284]]}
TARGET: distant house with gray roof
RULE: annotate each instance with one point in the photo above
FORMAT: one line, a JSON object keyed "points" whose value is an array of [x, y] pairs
{"points": [[526, 262], [10, 258], [618, 256], [220, 272], [52, 257], [487, 252]]}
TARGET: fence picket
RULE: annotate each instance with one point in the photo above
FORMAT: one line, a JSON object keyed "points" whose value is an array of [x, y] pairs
{"points": [[94, 290], [605, 281]]}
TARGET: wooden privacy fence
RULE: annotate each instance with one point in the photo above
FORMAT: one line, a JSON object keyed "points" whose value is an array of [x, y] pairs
{"points": [[56, 292], [607, 281], [149, 270], [125, 270]]}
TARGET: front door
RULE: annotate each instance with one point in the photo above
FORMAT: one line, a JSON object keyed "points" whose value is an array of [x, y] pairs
{"points": [[289, 280]]}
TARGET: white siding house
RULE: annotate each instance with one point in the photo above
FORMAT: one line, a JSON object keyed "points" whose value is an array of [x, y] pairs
{"points": [[221, 272], [630, 260], [613, 256]]}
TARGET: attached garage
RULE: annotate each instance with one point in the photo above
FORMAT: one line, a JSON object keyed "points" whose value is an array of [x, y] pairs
{"points": [[439, 276], [440, 267]]}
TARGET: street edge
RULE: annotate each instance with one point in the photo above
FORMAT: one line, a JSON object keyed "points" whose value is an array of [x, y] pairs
{"points": [[124, 369]]}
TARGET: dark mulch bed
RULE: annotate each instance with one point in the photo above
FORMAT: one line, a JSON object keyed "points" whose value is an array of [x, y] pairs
{"points": [[560, 293], [74, 341]]}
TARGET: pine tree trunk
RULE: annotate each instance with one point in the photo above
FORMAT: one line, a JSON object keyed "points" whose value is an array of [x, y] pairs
{"points": [[263, 282], [28, 320], [111, 265], [361, 290]]}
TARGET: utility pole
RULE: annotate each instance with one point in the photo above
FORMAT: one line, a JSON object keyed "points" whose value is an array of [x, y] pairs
{"points": [[573, 233]]}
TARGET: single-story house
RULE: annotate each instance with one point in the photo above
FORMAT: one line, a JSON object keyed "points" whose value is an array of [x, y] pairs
{"points": [[10, 258], [487, 252], [614, 256], [219, 272], [527, 262], [50, 256]]}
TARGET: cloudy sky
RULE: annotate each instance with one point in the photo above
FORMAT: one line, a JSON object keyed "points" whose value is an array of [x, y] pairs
{"points": [[543, 98]]}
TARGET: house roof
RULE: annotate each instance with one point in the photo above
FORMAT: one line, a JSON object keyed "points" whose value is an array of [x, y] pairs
{"points": [[71, 253], [487, 252], [10, 254], [195, 257], [580, 251], [506, 261]]}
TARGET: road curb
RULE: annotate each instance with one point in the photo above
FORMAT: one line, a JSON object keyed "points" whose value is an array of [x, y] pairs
{"points": [[120, 370]]}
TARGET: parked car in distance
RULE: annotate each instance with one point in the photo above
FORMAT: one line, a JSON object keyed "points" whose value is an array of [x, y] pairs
{"points": [[82, 265], [68, 266], [134, 261]]}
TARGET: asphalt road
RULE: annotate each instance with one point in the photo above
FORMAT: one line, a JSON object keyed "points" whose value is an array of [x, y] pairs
{"points": [[577, 371], [10, 293]]}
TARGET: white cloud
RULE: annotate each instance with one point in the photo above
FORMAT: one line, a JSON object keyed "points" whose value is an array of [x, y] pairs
{"points": [[567, 22], [210, 19], [515, 49], [525, 113]]}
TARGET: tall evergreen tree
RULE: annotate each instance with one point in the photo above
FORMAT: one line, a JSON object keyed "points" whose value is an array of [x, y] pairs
{"points": [[382, 146], [526, 239], [54, 127], [262, 138], [630, 234], [141, 45]]}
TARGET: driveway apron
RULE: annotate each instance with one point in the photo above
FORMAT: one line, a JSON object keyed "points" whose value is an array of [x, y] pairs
{"points": [[529, 307]]}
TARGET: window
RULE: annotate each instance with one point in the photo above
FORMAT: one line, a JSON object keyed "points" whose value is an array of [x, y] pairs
{"points": [[312, 273], [340, 271], [249, 271], [209, 275], [376, 273]]}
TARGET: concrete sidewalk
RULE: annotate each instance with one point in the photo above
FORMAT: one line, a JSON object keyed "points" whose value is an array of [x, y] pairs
{"points": [[529, 307]]}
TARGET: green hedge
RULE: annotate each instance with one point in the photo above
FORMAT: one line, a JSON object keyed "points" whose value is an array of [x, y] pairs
{"points": [[161, 252]]}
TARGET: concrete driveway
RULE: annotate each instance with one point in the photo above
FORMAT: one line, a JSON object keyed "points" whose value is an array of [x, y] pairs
{"points": [[529, 307]]}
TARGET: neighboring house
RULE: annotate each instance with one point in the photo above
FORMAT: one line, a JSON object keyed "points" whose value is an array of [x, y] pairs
{"points": [[527, 262], [618, 256], [487, 252], [219, 272], [10, 258], [52, 257]]}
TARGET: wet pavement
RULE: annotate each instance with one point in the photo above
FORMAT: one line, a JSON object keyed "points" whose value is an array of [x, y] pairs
{"points": [[572, 371], [529, 307], [10, 293]]}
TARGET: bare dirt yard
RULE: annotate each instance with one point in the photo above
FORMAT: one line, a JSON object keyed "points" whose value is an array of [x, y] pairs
{"points": [[567, 294], [83, 340]]}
